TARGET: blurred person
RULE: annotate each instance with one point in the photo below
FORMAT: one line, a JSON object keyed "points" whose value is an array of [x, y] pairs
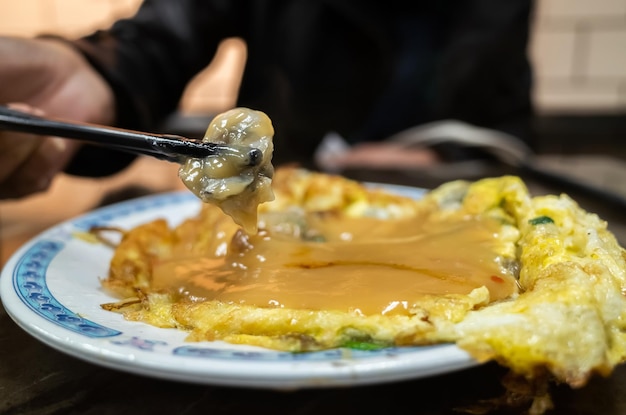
{"points": [[363, 70]]}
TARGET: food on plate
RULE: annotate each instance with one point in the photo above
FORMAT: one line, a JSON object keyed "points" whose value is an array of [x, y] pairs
{"points": [[534, 283], [232, 182]]}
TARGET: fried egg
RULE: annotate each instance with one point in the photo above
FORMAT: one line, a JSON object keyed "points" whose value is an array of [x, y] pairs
{"points": [[534, 283]]}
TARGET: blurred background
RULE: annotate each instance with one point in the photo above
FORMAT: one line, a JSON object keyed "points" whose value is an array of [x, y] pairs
{"points": [[578, 49]]}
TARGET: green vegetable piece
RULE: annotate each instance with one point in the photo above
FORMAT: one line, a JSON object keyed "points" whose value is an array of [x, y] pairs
{"points": [[363, 345], [541, 220]]}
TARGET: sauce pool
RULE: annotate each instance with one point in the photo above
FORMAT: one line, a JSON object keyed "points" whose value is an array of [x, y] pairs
{"points": [[364, 265]]}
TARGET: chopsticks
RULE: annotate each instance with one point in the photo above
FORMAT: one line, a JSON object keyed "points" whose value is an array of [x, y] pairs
{"points": [[173, 148]]}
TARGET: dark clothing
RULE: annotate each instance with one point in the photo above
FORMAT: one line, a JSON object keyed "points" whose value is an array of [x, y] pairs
{"points": [[364, 69]]}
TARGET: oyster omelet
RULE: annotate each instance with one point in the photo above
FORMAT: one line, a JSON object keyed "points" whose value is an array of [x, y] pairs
{"points": [[534, 283]]}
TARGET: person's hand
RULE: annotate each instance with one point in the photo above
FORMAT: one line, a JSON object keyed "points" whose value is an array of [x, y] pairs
{"points": [[384, 155], [28, 163], [45, 77]]}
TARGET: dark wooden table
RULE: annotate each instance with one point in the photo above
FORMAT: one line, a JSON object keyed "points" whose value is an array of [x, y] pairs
{"points": [[36, 379]]}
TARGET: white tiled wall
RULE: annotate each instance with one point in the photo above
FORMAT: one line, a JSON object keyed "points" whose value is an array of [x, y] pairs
{"points": [[578, 49], [579, 53]]}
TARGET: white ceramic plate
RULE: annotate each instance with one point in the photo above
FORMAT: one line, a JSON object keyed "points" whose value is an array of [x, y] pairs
{"points": [[51, 288]]}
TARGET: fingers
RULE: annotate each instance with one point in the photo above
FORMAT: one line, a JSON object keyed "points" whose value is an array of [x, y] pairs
{"points": [[28, 163], [37, 170], [385, 155]]}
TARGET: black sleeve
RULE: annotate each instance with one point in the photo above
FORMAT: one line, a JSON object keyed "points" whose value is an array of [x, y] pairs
{"points": [[148, 60]]}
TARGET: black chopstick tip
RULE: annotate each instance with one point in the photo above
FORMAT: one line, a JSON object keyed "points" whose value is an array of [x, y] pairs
{"points": [[255, 156]]}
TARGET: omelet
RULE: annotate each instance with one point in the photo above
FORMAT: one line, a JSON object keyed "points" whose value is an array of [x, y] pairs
{"points": [[534, 283]]}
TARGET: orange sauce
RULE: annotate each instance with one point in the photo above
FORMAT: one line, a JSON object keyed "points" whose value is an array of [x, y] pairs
{"points": [[364, 265]]}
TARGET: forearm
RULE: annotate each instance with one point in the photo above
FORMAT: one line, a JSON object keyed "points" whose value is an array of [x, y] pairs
{"points": [[69, 101], [149, 59]]}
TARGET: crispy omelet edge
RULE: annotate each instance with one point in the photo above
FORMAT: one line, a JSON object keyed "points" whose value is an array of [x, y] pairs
{"points": [[570, 318]]}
